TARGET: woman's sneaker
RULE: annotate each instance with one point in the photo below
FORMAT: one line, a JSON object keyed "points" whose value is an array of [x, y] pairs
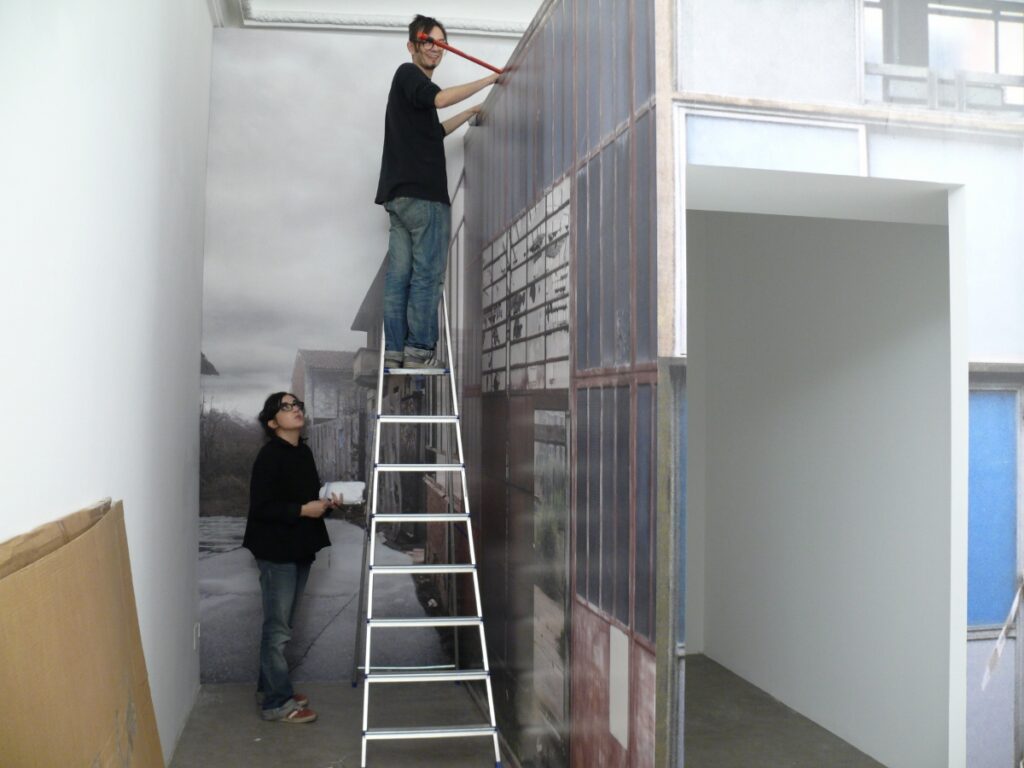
{"points": [[299, 715], [299, 698]]}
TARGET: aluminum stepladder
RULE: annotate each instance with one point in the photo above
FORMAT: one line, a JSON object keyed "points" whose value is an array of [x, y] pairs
{"points": [[370, 675]]}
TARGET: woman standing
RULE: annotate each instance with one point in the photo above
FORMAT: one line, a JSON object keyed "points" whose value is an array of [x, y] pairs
{"points": [[284, 531]]}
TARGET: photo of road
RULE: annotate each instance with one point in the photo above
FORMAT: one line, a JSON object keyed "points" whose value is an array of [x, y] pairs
{"points": [[322, 646]]}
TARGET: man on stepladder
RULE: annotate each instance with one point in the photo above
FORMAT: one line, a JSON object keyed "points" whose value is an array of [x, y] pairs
{"points": [[413, 189]]}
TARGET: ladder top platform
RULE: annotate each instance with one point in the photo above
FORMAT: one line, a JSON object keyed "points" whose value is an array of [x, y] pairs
{"points": [[415, 371]]}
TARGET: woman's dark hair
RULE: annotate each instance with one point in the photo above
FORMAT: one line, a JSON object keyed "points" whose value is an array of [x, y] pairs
{"points": [[270, 409], [424, 24]]}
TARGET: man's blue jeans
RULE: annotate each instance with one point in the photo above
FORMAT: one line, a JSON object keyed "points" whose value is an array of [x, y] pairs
{"points": [[417, 258], [282, 585]]}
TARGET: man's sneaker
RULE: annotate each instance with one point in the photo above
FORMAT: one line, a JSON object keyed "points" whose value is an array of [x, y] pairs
{"points": [[393, 359], [421, 358], [416, 363]]}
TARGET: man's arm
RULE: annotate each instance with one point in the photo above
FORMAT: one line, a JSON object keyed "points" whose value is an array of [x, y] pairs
{"points": [[452, 123], [449, 96]]}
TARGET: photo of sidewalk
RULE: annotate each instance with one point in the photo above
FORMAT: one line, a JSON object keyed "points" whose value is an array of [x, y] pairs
{"points": [[225, 728], [322, 646]]}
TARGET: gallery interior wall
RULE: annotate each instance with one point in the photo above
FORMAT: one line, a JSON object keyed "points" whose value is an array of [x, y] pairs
{"points": [[820, 354], [103, 157]]}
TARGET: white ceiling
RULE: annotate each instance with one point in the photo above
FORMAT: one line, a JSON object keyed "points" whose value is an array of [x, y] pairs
{"points": [[509, 18], [780, 193]]}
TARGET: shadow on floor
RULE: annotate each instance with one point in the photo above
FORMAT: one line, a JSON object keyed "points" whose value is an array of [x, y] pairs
{"points": [[733, 724], [224, 729]]}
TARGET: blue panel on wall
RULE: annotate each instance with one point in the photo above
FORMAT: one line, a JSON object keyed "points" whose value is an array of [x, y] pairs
{"points": [[992, 487]]}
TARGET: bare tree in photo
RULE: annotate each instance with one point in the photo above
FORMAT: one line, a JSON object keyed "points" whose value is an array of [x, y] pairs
{"points": [[227, 446]]}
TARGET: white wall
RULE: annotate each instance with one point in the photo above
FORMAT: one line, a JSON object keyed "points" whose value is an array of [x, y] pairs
{"points": [[103, 158], [991, 170], [992, 722], [808, 52], [823, 373], [792, 50]]}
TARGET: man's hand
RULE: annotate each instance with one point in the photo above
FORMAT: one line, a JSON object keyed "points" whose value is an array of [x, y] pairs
{"points": [[457, 93], [452, 123]]}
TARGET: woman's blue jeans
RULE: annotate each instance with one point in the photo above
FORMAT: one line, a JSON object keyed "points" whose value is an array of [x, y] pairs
{"points": [[282, 585], [417, 258]]}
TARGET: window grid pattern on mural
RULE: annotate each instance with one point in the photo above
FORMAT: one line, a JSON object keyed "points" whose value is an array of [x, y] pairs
{"points": [[525, 301]]}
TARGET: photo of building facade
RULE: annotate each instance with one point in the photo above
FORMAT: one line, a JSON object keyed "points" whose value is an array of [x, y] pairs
{"points": [[815, 203]]}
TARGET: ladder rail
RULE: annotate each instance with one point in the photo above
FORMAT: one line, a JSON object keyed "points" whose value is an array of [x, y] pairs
{"points": [[371, 538], [371, 510], [453, 590], [357, 645]]}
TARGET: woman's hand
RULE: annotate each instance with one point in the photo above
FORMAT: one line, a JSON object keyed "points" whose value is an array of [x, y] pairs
{"points": [[315, 508]]}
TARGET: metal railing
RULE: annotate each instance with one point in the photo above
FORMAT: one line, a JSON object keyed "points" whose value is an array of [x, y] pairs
{"points": [[960, 91]]}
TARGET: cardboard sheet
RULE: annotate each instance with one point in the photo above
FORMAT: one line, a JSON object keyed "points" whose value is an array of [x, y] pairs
{"points": [[73, 675]]}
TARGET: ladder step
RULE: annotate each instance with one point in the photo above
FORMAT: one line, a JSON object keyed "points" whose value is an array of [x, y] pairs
{"points": [[380, 734], [420, 517], [441, 568], [394, 418], [415, 371], [415, 668], [453, 676], [420, 467], [428, 621]]}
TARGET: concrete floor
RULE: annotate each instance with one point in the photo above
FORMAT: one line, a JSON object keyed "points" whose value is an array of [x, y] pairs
{"points": [[225, 730], [729, 724], [732, 724]]}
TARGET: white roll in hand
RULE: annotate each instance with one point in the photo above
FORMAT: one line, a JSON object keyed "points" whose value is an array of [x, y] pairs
{"points": [[349, 492]]}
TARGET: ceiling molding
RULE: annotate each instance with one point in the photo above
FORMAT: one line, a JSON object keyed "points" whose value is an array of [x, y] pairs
{"points": [[216, 15], [252, 17], [224, 13]]}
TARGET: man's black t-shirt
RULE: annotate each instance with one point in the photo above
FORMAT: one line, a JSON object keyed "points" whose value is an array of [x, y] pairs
{"points": [[413, 161]]}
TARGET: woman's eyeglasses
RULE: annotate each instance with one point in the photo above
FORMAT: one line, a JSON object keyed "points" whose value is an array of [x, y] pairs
{"points": [[286, 407]]}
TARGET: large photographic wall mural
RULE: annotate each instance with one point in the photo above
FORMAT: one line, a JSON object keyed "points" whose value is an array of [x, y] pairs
{"points": [[293, 242], [560, 378]]}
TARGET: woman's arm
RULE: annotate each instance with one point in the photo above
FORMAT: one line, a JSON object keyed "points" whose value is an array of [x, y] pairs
{"points": [[263, 502]]}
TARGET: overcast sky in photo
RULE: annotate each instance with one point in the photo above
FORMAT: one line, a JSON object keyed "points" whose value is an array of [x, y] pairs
{"points": [[293, 238]]}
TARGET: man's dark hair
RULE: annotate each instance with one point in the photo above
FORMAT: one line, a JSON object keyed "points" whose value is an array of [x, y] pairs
{"points": [[270, 409], [424, 24]]}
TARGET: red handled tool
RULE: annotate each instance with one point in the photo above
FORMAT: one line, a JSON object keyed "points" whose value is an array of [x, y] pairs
{"points": [[424, 37]]}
